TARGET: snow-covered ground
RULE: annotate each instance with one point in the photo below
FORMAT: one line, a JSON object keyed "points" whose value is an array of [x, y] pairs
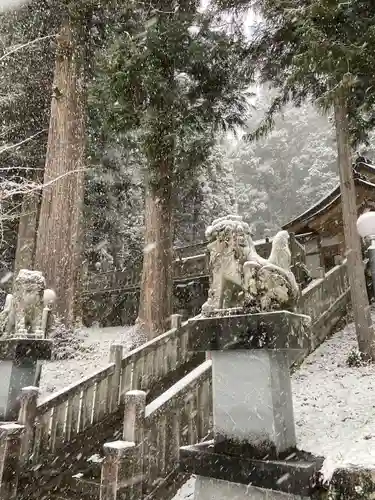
{"points": [[334, 405], [187, 491], [93, 355]]}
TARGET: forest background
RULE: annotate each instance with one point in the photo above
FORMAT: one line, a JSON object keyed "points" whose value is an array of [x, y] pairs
{"points": [[269, 181]]}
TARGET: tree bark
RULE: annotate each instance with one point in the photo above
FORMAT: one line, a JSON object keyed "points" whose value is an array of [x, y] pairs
{"points": [[360, 303], [58, 250], [27, 231], [155, 306]]}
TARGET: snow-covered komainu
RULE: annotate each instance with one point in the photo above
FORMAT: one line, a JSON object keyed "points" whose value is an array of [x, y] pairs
{"points": [[239, 277], [26, 310]]}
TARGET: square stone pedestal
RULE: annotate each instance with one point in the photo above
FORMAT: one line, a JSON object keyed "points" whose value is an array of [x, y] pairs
{"points": [[252, 396], [253, 401], [20, 363], [253, 453]]}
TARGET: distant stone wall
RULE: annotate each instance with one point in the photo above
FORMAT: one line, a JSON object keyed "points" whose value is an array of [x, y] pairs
{"points": [[112, 298], [120, 307], [190, 262]]}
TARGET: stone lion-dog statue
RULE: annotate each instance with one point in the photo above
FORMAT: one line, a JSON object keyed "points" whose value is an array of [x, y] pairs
{"points": [[239, 277], [26, 312]]}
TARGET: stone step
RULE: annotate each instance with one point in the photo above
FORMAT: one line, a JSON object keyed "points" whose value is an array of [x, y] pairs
{"points": [[80, 490]]}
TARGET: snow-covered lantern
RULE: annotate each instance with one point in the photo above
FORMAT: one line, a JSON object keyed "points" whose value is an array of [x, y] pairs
{"points": [[366, 225]]}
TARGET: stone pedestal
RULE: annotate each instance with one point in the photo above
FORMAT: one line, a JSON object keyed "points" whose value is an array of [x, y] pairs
{"points": [[20, 364], [253, 401], [253, 450], [252, 396]]}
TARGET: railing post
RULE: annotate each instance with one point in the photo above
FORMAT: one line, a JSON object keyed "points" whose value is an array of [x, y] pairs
{"points": [[115, 356], [123, 463], [114, 455], [26, 417], [134, 416], [10, 444], [176, 320], [133, 431]]}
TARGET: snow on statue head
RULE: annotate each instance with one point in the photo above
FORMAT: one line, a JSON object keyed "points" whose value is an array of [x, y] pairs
{"points": [[241, 278], [27, 310]]}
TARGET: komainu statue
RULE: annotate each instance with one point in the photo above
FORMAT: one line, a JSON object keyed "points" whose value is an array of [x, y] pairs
{"points": [[27, 310], [242, 278]]}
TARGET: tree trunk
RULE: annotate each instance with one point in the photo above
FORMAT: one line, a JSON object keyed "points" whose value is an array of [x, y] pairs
{"points": [[360, 304], [27, 231], [58, 250], [155, 306]]}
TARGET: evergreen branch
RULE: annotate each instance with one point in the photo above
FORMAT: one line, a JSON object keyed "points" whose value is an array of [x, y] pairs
{"points": [[11, 188], [19, 47], [12, 146]]}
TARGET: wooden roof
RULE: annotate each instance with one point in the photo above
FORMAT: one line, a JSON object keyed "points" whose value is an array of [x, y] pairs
{"points": [[326, 215]]}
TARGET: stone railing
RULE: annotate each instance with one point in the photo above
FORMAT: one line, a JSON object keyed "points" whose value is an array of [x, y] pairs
{"points": [[152, 436], [185, 268], [71, 420], [325, 300]]}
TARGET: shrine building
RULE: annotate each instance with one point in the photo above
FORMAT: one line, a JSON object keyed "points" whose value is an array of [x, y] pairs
{"points": [[320, 228]]}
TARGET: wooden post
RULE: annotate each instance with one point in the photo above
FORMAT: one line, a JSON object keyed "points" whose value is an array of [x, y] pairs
{"points": [[176, 320], [27, 416], [320, 250], [292, 244], [10, 444], [115, 356], [360, 303], [133, 431], [114, 455]]}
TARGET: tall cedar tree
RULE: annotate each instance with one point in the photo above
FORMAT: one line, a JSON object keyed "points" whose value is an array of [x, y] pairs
{"points": [[58, 251], [324, 51], [171, 73]]}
